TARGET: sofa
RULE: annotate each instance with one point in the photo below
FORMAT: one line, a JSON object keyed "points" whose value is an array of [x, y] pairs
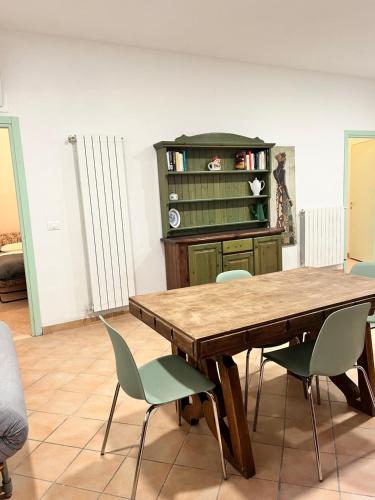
{"points": [[13, 417]]}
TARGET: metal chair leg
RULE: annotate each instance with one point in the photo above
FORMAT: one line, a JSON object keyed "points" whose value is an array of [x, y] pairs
{"points": [[211, 397], [109, 423], [371, 392], [259, 393], [261, 357], [317, 384], [179, 410], [247, 376], [315, 432], [140, 451]]}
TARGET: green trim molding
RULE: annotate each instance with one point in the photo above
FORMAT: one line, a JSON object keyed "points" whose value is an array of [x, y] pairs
{"points": [[350, 134], [12, 124]]}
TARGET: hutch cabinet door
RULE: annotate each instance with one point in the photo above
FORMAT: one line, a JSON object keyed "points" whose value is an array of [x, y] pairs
{"points": [[205, 263], [244, 260], [267, 254]]}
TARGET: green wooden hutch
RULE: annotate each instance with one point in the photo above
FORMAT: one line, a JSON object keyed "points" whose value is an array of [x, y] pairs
{"points": [[219, 228]]}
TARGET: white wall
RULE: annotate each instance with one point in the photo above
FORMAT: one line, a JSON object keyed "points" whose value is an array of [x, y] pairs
{"points": [[58, 87]]}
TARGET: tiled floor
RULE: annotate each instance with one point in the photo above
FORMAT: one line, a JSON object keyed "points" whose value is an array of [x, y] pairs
{"points": [[16, 315], [69, 380]]}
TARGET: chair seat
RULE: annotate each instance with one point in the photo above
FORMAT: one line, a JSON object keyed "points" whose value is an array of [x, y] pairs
{"points": [[170, 378], [371, 319], [295, 358]]}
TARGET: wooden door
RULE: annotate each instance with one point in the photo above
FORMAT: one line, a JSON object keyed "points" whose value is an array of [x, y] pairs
{"points": [[267, 254], [361, 229], [243, 260], [205, 263]]}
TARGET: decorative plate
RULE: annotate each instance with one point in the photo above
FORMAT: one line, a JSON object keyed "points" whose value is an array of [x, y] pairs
{"points": [[174, 218]]}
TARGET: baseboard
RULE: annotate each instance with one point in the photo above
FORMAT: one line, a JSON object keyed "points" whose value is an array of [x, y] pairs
{"points": [[82, 322]]}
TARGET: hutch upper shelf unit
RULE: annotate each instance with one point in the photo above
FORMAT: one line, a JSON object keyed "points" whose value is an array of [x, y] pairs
{"points": [[211, 201]]}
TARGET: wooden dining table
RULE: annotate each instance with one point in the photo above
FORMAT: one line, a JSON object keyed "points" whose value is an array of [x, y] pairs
{"points": [[209, 324]]}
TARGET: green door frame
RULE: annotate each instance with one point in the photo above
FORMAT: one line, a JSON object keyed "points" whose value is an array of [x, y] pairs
{"points": [[12, 124], [350, 134]]}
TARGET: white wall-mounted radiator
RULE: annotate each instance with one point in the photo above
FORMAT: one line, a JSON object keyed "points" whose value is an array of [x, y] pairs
{"points": [[321, 236], [104, 211]]}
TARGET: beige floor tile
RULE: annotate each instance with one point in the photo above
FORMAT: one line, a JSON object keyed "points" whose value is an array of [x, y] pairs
{"points": [[75, 431], [185, 483], [291, 492], [42, 424], [130, 411], [64, 402], [121, 439], [28, 488], [84, 382], [267, 460], [61, 492], [298, 409], [109, 497], [357, 475], [108, 387], [271, 405], [161, 445], [298, 434], [76, 365], [35, 399], [30, 376], [344, 414], [200, 451], [25, 451], [48, 461], [299, 468], [91, 471], [152, 477], [104, 367], [97, 407], [270, 430], [353, 496], [335, 394], [356, 441], [166, 418], [270, 385], [239, 488], [53, 380], [200, 428]]}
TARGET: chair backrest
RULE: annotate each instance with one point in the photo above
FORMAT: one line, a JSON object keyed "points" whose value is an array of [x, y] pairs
{"points": [[364, 269], [340, 341], [237, 274], [127, 371]]}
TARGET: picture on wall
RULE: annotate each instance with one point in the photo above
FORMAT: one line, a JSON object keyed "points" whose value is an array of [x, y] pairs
{"points": [[283, 193]]}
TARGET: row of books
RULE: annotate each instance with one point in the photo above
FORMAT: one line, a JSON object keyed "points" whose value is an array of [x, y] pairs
{"points": [[176, 161], [256, 161]]}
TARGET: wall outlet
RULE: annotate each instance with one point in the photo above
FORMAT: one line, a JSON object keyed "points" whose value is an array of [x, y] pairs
{"points": [[53, 225]]}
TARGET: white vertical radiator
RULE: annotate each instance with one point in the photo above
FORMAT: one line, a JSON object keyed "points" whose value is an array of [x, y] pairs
{"points": [[104, 210], [321, 236]]}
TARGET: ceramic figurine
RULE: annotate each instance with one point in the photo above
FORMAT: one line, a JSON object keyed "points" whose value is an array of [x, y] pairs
{"points": [[256, 186], [214, 164], [240, 163]]}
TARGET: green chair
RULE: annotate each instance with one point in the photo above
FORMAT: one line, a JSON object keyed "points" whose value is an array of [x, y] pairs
{"points": [[365, 269], [337, 348], [159, 382]]}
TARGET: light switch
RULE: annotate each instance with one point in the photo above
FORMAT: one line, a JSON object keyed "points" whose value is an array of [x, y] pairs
{"points": [[53, 225]]}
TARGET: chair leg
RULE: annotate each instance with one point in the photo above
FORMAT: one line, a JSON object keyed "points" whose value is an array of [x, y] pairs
{"points": [[140, 451], [247, 376], [317, 384], [261, 357], [211, 397], [361, 369], [315, 432], [109, 423], [179, 410], [259, 393]]}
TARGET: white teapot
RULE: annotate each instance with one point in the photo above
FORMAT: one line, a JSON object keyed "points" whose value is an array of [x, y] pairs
{"points": [[256, 186]]}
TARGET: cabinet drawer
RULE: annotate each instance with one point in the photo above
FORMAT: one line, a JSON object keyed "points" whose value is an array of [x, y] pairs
{"points": [[234, 246]]}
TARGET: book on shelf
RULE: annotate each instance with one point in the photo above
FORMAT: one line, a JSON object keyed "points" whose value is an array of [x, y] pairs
{"points": [[176, 161]]}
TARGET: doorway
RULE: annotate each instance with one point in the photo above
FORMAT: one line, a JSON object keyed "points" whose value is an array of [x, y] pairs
{"points": [[359, 197], [19, 304]]}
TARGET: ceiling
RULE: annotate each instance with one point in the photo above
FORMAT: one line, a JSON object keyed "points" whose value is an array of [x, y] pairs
{"points": [[335, 36]]}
